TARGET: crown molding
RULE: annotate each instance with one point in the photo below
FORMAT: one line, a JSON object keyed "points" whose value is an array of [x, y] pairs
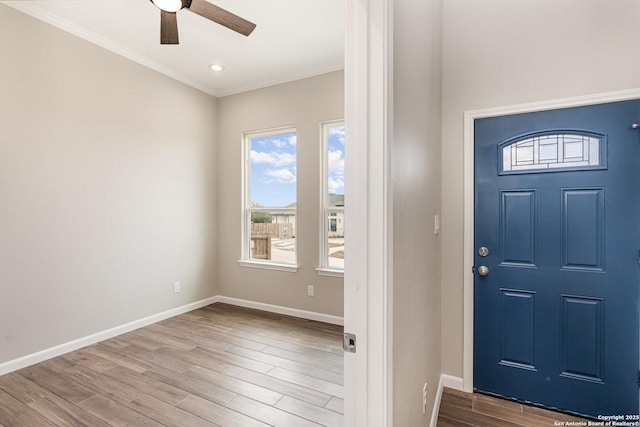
{"points": [[50, 18], [285, 78], [81, 32]]}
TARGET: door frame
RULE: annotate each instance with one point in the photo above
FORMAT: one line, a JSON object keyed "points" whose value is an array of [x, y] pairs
{"points": [[468, 192], [368, 271]]}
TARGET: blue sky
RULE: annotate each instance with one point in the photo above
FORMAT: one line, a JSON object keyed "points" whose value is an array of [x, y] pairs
{"points": [[336, 160], [273, 170], [273, 167]]}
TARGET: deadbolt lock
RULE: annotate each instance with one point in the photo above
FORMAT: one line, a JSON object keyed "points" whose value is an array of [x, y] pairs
{"points": [[483, 251]]}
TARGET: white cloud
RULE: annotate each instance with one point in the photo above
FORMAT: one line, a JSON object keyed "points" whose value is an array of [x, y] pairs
{"points": [[289, 141], [272, 158], [336, 162], [284, 176], [335, 184], [339, 132]]}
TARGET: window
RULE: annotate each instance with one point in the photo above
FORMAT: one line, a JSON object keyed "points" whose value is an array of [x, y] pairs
{"points": [[269, 202], [552, 151], [332, 199]]}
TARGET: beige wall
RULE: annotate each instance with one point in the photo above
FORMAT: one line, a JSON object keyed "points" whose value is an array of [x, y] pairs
{"points": [[303, 104], [107, 189], [417, 56], [499, 53]]}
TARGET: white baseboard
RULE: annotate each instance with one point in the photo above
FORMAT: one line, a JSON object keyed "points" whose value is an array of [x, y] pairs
{"points": [[445, 381], [309, 315], [41, 356]]}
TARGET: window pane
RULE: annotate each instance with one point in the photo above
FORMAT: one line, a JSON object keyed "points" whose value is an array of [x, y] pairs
{"points": [[552, 152], [335, 146], [272, 197]]}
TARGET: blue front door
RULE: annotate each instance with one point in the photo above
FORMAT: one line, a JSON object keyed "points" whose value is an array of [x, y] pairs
{"points": [[557, 274]]}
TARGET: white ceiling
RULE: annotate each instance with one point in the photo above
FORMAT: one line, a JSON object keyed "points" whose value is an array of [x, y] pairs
{"points": [[293, 39]]}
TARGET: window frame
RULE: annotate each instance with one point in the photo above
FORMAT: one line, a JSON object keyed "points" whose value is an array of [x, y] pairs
{"points": [[324, 269], [246, 208]]}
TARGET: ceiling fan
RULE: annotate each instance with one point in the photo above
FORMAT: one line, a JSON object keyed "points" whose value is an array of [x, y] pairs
{"points": [[169, 22]]}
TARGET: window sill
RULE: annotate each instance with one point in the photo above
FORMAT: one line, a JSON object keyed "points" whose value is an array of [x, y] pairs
{"points": [[330, 272], [291, 268]]}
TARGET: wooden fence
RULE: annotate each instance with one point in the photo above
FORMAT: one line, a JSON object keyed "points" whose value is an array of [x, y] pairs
{"points": [[278, 231]]}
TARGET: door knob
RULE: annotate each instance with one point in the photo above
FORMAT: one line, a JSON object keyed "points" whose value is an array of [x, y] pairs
{"points": [[483, 270]]}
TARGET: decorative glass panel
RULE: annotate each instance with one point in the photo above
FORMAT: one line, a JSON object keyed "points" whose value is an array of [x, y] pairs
{"points": [[551, 151]]}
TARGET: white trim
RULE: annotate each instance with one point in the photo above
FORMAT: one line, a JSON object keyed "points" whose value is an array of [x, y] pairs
{"points": [[330, 272], [448, 381], [285, 78], [266, 265], [469, 117], [81, 32], [294, 312], [245, 231], [40, 356], [323, 251], [368, 279]]}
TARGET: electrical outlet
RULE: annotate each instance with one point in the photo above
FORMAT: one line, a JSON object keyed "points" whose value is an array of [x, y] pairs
{"points": [[176, 287], [310, 290], [424, 398]]}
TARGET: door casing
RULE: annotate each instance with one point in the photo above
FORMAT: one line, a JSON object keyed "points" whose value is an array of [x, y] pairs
{"points": [[468, 245]]}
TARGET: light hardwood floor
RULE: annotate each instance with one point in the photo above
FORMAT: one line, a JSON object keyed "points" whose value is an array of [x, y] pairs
{"points": [[217, 366], [460, 409]]}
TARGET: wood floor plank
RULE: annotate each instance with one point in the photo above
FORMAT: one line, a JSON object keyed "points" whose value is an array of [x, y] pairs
{"points": [[196, 334], [14, 413], [448, 422], [335, 404], [235, 385], [90, 360], [510, 414], [217, 413], [191, 385], [291, 389], [331, 376], [114, 414], [22, 389], [58, 384], [120, 359], [271, 360], [307, 381], [164, 392], [167, 336], [210, 359], [103, 385], [167, 415], [459, 408], [310, 412], [51, 407], [470, 417], [158, 358], [268, 414], [180, 329], [318, 361], [216, 366]]}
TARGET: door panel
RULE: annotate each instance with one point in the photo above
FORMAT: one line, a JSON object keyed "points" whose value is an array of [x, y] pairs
{"points": [[557, 205]]}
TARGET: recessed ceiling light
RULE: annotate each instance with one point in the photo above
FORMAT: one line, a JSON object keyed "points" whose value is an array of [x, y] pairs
{"points": [[216, 67]]}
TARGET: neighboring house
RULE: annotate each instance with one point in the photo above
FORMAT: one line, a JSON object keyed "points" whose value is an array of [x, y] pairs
{"points": [[335, 204]]}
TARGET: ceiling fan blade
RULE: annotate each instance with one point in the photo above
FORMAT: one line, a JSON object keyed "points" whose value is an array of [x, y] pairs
{"points": [[168, 28], [221, 16]]}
